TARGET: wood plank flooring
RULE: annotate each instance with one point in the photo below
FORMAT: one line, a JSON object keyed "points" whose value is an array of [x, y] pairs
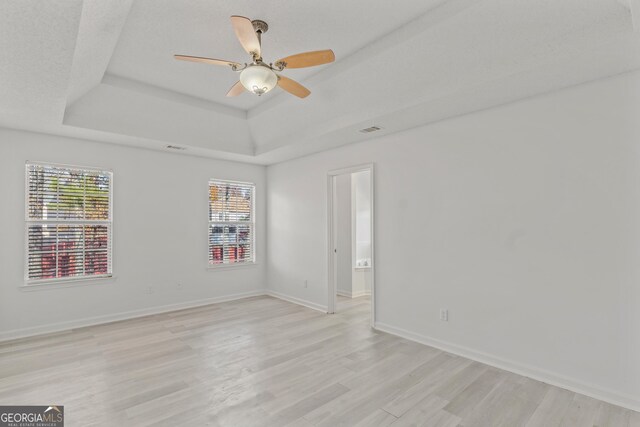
{"points": [[266, 362]]}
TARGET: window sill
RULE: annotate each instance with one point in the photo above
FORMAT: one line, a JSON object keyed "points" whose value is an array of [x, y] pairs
{"points": [[362, 268], [66, 283], [231, 266]]}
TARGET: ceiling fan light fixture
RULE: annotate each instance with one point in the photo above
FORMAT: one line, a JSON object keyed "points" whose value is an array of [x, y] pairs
{"points": [[258, 79]]}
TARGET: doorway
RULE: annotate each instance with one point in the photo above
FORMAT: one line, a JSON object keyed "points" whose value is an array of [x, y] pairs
{"points": [[351, 278]]}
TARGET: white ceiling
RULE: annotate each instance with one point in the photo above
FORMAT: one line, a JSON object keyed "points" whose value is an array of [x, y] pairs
{"points": [[103, 69]]}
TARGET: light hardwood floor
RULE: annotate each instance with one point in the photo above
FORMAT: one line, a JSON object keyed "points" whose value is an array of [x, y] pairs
{"points": [[266, 362]]}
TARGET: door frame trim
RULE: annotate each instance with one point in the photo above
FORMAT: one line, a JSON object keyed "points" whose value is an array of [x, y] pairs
{"points": [[331, 262]]}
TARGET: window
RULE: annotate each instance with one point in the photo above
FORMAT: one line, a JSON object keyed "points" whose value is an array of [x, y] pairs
{"points": [[68, 223], [231, 223]]}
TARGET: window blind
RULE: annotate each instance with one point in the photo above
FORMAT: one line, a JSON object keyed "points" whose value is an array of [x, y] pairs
{"points": [[231, 222], [68, 224]]}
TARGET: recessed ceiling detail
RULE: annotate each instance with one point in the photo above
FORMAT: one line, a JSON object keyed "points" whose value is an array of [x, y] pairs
{"points": [[104, 69]]}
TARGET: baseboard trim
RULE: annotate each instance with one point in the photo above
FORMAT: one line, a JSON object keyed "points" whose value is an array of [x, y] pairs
{"points": [[615, 398], [353, 294], [109, 318], [299, 301], [609, 396]]}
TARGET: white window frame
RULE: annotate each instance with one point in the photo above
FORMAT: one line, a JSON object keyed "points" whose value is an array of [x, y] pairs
{"points": [[28, 221], [252, 224]]}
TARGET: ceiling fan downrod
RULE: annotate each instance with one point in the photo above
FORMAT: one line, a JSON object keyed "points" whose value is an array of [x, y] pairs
{"points": [[260, 28]]}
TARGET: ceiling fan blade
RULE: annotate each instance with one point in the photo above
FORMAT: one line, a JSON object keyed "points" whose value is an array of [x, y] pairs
{"points": [[236, 89], [206, 60], [293, 87], [307, 59], [246, 34]]}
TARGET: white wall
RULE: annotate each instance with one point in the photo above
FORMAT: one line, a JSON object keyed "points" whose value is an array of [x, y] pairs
{"points": [[523, 221], [352, 210], [160, 234], [342, 208], [361, 200], [361, 224]]}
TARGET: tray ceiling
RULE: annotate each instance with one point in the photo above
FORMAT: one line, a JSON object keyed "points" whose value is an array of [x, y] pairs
{"points": [[103, 69]]}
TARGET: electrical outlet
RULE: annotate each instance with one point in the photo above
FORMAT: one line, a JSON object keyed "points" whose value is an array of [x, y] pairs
{"points": [[306, 283], [444, 314], [179, 285], [150, 289]]}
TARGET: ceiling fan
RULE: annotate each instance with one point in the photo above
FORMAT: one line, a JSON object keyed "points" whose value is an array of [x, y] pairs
{"points": [[257, 76]]}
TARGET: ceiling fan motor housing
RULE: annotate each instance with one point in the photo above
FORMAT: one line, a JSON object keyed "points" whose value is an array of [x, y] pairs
{"points": [[260, 26]]}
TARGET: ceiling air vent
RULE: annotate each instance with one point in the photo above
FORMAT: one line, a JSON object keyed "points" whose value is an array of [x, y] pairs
{"points": [[175, 147], [371, 129]]}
